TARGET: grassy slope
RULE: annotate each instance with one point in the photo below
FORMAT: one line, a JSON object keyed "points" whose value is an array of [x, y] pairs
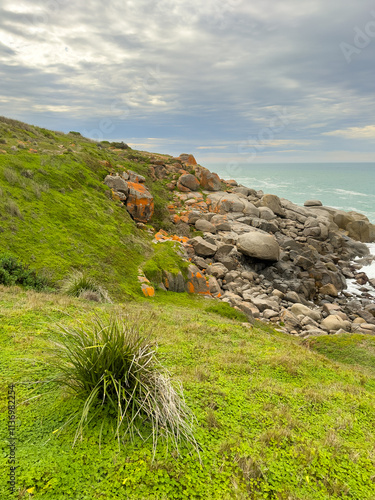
{"points": [[275, 419], [60, 216]]}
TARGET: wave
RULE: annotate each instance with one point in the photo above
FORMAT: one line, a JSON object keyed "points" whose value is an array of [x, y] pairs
{"points": [[346, 192]]}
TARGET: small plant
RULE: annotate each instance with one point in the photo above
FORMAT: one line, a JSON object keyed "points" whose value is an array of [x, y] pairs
{"points": [[81, 285], [12, 208], [112, 365], [13, 272], [11, 176]]}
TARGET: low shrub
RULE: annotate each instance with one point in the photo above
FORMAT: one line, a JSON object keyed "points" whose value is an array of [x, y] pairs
{"points": [[81, 285], [14, 272], [113, 367]]}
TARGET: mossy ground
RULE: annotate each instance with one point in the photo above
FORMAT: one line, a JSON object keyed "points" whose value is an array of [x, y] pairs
{"points": [[275, 420]]}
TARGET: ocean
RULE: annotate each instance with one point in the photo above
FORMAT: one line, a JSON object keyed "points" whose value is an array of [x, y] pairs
{"points": [[347, 186]]}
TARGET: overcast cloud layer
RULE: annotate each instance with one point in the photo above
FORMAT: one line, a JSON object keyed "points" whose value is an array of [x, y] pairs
{"points": [[230, 80]]}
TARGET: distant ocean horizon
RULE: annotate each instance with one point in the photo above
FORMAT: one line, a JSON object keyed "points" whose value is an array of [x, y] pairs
{"points": [[346, 186]]}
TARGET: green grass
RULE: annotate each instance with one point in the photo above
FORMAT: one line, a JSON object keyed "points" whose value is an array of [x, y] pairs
{"points": [[275, 420], [351, 349], [58, 216]]}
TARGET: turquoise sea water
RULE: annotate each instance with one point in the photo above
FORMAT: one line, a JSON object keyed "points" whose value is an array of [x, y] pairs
{"points": [[347, 186]]}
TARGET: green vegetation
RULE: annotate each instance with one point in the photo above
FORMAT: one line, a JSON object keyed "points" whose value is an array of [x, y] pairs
{"points": [[165, 257], [276, 417], [112, 365], [13, 272], [81, 285], [226, 311]]}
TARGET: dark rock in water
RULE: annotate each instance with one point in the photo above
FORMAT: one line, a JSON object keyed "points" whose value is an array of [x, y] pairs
{"points": [[313, 203]]}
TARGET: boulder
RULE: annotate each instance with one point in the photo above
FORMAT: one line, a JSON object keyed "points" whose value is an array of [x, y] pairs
{"points": [[329, 289], [188, 159], [266, 213], [188, 182], [313, 203], [273, 202], [205, 226], [134, 177], [218, 270], [196, 282], [173, 282], [361, 230], [259, 245], [334, 322], [140, 202], [117, 183], [209, 180], [298, 309], [214, 287], [221, 222], [203, 247]]}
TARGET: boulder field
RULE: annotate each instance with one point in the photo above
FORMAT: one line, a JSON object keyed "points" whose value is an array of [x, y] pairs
{"points": [[266, 256]]}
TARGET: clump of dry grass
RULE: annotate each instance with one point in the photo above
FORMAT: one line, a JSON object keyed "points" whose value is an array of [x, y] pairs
{"points": [[113, 366], [79, 284]]}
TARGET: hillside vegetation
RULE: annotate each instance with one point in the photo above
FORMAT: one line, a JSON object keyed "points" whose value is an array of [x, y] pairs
{"points": [[58, 216], [276, 416]]}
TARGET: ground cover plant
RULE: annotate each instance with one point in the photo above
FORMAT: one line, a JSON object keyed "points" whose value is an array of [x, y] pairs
{"points": [[275, 419]]}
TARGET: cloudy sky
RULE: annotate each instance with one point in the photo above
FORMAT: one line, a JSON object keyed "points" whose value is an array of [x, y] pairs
{"points": [[227, 80]]}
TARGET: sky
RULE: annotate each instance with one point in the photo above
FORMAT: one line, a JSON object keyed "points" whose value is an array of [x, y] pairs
{"points": [[231, 81]]}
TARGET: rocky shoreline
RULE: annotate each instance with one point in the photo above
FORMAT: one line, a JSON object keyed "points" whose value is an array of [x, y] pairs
{"points": [[268, 257]]}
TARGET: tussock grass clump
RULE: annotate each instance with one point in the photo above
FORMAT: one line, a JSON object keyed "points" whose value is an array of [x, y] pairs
{"points": [[112, 365], [81, 285]]}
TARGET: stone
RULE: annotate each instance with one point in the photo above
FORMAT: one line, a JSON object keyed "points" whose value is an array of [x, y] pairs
{"points": [[298, 309], [331, 308], [134, 177], [262, 303], [290, 319], [273, 202], [117, 183], [313, 203], [209, 180], [218, 270], [329, 289], [174, 282], [140, 202], [292, 296], [259, 245], [266, 213], [221, 222], [202, 247], [303, 262], [188, 159], [361, 230], [334, 322], [196, 282], [247, 308], [205, 226], [214, 287], [188, 182], [269, 313]]}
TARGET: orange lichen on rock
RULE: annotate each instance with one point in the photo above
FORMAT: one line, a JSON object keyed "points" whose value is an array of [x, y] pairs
{"points": [[188, 159], [148, 291], [140, 202], [32, 150]]}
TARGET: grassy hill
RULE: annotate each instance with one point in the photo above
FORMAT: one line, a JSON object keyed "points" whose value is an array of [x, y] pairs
{"points": [[276, 417], [56, 213]]}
